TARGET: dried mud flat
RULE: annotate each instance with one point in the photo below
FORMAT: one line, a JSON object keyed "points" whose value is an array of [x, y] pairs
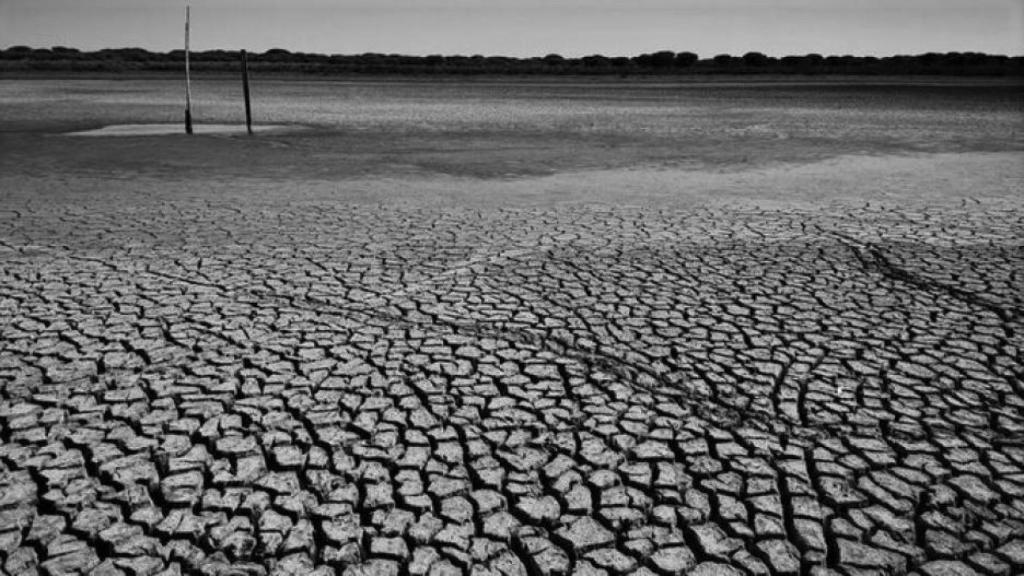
{"points": [[783, 371]]}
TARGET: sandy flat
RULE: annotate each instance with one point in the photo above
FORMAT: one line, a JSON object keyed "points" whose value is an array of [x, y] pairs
{"points": [[164, 129]]}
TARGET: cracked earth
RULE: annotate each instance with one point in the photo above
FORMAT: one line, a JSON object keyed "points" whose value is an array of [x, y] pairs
{"points": [[204, 386], [218, 377]]}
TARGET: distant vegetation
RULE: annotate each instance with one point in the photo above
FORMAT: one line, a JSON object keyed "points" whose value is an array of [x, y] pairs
{"points": [[665, 63]]}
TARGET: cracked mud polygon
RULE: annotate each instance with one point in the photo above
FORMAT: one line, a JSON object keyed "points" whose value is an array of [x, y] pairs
{"points": [[513, 330]]}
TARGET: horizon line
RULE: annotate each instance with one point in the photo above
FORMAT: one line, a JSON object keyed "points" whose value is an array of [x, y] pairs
{"points": [[475, 55]]}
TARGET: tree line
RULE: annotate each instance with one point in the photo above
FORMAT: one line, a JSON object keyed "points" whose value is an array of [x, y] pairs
{"points": [[666, 63]]}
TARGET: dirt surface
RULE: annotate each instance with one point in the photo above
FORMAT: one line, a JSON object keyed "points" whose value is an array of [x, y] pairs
{"points": [[135, 130], [335, 357]]}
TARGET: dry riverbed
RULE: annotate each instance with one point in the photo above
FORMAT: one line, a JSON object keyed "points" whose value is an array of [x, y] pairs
{"points": [[493, 328]]}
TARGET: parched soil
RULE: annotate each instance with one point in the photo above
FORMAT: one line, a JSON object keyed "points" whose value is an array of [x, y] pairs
{"points": [[789, 370]]}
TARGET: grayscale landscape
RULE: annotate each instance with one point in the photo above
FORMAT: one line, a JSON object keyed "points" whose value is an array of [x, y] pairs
{"points": [[707, 326]]}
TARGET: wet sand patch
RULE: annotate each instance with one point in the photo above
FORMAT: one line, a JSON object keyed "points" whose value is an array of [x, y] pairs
{"points": [[172, 129]]}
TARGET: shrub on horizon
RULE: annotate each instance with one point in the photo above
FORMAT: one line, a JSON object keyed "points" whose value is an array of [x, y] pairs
{"points": [[663, 59], [755, 59], [724, 60], [686, 59]]}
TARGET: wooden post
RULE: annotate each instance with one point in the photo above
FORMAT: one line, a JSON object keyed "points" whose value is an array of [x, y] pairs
{"points": [[245, 90], [188, 80]]}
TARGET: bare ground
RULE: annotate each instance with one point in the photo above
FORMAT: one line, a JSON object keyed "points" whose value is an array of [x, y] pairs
{"points": [[510, 353]]}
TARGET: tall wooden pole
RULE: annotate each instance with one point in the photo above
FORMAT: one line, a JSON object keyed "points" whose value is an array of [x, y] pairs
{"points": [[245, 90], [188, 80]]}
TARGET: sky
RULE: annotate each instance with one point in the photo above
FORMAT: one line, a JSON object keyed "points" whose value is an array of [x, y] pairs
{"points": [[525, 27]]}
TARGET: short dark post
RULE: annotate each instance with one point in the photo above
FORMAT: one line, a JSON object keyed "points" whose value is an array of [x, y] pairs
{"points": [[245, 89], [188, 81]]}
